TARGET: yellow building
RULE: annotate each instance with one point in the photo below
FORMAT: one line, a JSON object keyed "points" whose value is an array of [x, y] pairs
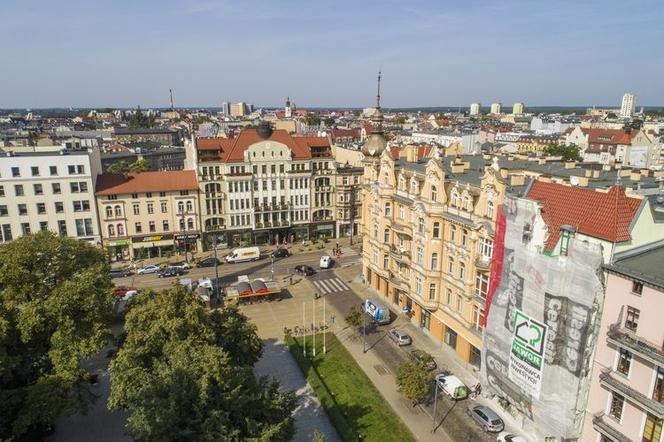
{"points": [[428, 240]]}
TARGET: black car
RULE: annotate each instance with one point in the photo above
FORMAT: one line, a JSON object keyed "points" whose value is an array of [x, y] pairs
{"points": [[170, 272], [120, 273], [304, 269], [280, 253], [208, 262]]}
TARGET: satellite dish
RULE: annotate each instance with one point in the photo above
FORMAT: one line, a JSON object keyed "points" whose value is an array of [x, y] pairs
{"points": [[574, 180]]}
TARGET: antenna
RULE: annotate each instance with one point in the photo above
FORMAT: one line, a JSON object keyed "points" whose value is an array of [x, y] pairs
{"points": [[378, 94], [170, 91]]}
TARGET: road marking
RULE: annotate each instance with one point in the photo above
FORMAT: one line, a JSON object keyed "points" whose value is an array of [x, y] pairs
{"points": [[335, 282], [321, 288]]}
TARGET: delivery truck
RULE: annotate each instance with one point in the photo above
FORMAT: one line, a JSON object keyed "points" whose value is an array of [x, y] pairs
{"points": [[378, 310], [244, 254]]}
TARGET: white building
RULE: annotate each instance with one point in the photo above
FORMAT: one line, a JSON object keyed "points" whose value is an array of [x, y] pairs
{"points": [[628, 106], [518, 108], [49, 191], [496, 108], [475, 108]]}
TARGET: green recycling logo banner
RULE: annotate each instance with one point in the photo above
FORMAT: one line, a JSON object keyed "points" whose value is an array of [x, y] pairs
{"points": [[527, 355]]}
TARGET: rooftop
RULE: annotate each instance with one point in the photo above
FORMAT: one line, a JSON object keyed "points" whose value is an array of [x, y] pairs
{"points": [[643, 263], [163, 181]]}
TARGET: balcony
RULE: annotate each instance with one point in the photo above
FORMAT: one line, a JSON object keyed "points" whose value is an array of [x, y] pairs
{"points": [[399, 281], [400, 255], [429, 304], [404, 229], [323, 189], [214, 227], [483, 262], [322, 218], [607, 430], [624, 338], [616, 385]]}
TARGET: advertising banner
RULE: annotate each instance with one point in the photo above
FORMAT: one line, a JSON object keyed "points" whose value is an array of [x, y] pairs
{"points": [[527, 355]]}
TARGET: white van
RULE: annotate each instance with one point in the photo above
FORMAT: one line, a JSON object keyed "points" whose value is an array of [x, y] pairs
{"points": [[244, 254], [452, 386], [325, 262]]}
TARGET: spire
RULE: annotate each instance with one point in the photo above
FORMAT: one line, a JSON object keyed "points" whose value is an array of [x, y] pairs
{"points": [[378, 94]]}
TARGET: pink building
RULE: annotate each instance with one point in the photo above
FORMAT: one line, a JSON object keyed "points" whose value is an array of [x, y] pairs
{"points": [[626, 400]]}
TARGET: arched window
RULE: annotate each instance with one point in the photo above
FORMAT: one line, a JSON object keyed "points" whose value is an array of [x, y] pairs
{"points": [[434, 261], [121, 231], [388, 209], [434, 193], [464, 238], [109, 212], [453, 233], [180, 207], [190, 206], [450, 265], [118, 211], [375, 231], [111, 229], [462, 271], [436, 229], [466, 202], [386, 236], [190, 224], [489, 209], [182, 224]]}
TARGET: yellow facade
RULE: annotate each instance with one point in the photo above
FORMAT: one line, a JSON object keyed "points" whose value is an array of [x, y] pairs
{"points": [[428, 241]]}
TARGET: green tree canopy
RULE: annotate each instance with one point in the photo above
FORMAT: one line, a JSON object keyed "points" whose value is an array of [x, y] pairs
{"points": [[312, 119], [55, 302], [185, 373], [353, 318], [140, 165], [118, 167], [413, 380], [139, 119], [568, 152]]}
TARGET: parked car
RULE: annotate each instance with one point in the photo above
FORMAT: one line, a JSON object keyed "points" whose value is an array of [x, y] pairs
{"points": [[120, 273], [182, 265], [487, 418], [280, 253], [399, 337], [504, 436], [304, 269], [120, 291], [244, 254], [423, 358], [325, 262], [208, 262], [130, 294], [452, 386], [170, 272], [148, 269]]}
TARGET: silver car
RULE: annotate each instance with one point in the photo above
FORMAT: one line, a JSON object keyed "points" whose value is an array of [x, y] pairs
{"points": [[399, 337], [487, 418]]}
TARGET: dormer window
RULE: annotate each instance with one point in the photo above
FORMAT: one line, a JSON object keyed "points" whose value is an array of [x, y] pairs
{"points": [[434, 193]]}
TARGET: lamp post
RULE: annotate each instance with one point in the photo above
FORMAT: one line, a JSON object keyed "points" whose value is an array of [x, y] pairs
{"points": [[352, 213], [364, 329], [184, 234], [216, 268], [435, 404]]}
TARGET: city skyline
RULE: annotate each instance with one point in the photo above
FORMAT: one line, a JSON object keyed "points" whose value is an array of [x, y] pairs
{"points": [[327, 54]]}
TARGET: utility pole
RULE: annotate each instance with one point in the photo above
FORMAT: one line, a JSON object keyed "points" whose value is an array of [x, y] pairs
{"points": [[313, 324], [304, 331], [272, 267], [364, 328], [216, 267], [435, 404], [324, 325], [352, 213]]}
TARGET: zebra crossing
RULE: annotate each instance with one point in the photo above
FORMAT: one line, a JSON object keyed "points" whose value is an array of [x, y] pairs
{"points": [[330, 285]]}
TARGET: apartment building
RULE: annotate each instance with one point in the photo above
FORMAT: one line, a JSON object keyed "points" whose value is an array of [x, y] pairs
{"points": [[51, 190], [264, 186], [428, 241], [349, 200], [626, 400], [148, 214]]}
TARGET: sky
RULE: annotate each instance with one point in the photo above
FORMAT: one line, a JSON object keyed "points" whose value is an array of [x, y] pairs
{"points": [[124, 53]]}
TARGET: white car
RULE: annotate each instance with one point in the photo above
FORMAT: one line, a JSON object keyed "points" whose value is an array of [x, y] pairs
{"points": [[130, 294], [325, 262], [181, 265], [148, 269], [504, 436]]}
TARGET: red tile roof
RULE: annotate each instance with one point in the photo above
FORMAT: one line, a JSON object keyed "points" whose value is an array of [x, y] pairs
{"points": [[165, 181], [601, 215]]}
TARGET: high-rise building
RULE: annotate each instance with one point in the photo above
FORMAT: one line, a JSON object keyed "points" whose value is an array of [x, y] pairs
{"points": [[226, 108], [496, 108], [518, 108], [628, 106], [239, 109], [475, 108]]}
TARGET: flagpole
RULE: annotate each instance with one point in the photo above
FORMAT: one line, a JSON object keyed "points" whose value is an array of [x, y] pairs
{"points": [[324, 327], [313, 324], [304, 331]]}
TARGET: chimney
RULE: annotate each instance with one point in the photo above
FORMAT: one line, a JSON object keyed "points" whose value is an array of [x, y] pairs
{"points": [[570, 164], [457, 166]]}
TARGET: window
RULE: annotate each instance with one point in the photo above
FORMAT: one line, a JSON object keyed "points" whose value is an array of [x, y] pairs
{"points": [[150, 208], [386, 236], [420, 255], [109, 211], [22, 209], [56, 188], [6, 233], [652, 431], [138, 227], [162, 194], [3, 211], [71, 169], [53, 170], [658, 391], [25, 228], [450, 337], [62, 227], [432, 291], [459, 304], [41, 208], [137, 209], [16, 172], [434, 193], [481, 285], [386, 262], [453, 230], [111, 230], [190, 224], [388, 209], [450, 265], [375, 231], [448, 297], [624, 361], [77, 187], [181, 206], [466, 202], [464, 238], [632, 319], [402, 212], [434, 261], [375, 257], [436, 229], [148, 195], [489, 209], [462, 271], [486, 247], [118, 211], [190, 206], [637, 287], [164, 225], [2, 190], [425, 320], [38, 189], [134, 195], [81, 206], [478, 317], [59, 207], [420, 226], [418, 286], [34, 170], [121, 229], [151, 226], [84, 227], [617, 402], [184, 192], [18, 189], [164, 207]]}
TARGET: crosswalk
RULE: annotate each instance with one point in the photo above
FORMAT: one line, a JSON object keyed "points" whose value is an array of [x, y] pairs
{"points": [[331, 285]]}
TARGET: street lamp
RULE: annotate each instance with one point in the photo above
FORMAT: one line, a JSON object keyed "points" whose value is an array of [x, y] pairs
{"points": [[352, 213], [364, 329], [435, 404], [184, 234], [216, 267]]}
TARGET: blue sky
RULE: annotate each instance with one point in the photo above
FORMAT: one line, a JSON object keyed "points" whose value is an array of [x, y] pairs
{"points": [[326, 53]]}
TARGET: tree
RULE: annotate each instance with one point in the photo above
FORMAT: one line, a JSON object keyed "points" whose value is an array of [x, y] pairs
{"points": [[55, 304], [185, 373], [413, 380], [353, 318], [329, 122], [139, 165], [118, 167], [139, 119], [312, 120], [400, 119], [568, 152], [635, 124], [318, 436], [611, 116]]}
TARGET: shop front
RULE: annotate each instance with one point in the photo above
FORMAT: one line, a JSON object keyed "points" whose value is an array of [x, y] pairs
{"points": [[118, 250], [211, 239], [145, 247], [187, 242], [322, 231]]}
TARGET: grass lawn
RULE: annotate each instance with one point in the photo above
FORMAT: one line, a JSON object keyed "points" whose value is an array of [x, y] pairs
{"points": [[355, 407]]}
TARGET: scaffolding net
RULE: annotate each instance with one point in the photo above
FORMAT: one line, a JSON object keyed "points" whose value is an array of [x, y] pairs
{"points": [[541, 324]]}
